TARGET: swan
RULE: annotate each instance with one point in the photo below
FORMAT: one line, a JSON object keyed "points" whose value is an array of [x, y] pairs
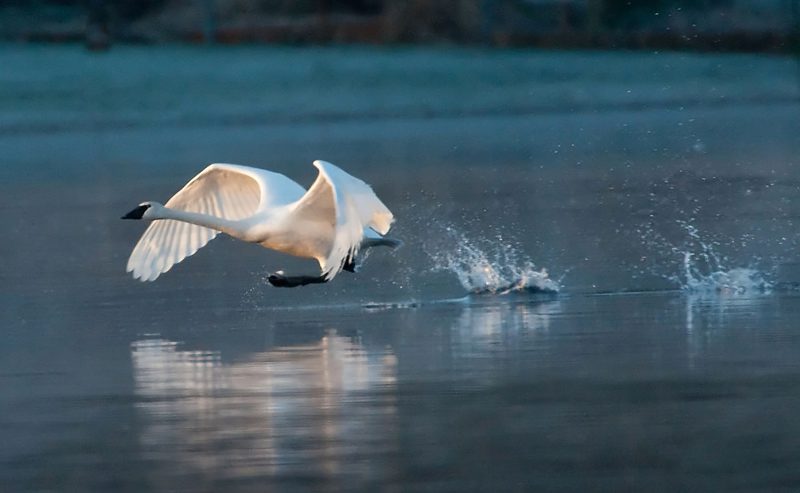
{"points": [[331, 222]]}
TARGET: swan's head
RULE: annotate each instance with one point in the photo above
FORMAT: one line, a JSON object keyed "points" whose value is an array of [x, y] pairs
{"points": [[145, 210]]}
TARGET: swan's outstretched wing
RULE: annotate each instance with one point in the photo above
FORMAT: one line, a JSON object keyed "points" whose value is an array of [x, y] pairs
{"points": [[344, 206], [222, 190]]}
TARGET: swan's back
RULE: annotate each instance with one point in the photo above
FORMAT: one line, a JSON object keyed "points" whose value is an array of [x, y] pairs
{"points": [[275, 189]]}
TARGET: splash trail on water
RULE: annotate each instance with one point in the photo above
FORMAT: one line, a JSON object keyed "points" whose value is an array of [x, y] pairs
{"points": [[703, 270], [489, 266]]}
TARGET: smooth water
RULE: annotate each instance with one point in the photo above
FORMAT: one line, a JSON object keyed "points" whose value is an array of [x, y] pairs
{"points": [[590, 300]]}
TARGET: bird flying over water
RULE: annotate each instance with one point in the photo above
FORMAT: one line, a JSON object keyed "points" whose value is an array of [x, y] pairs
{"points": [[331, 222]]}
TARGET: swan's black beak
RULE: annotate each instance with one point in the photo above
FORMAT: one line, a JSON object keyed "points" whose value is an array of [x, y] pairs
{"points": [[136, 213]]}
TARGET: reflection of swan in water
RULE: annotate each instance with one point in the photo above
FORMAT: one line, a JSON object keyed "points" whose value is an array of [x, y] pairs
{"points": [[288, 408]]}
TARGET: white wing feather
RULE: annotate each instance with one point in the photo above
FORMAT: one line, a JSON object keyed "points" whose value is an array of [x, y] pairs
{"points": [[223, 190], [349, 205]]}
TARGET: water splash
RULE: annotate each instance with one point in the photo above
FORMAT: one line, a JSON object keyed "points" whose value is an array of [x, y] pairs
{"points": [[705, 271], [738, 280], [495, 269]]}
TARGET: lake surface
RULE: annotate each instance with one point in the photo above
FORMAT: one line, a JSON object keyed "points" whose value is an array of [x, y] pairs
{"points": [[603, 298]]}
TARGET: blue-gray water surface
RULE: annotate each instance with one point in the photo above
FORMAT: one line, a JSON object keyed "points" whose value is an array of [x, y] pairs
{"points": [[667, 360]]}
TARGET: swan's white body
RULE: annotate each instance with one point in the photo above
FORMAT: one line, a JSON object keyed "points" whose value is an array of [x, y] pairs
{"points": [[327, 223]]}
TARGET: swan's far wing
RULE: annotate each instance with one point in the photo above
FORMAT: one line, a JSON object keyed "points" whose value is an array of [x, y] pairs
{"points": [[342, 206], [365, 204], [223, 190]]}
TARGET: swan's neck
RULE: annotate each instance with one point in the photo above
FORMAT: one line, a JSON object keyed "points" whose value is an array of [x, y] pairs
{"points": [[232, 228]]}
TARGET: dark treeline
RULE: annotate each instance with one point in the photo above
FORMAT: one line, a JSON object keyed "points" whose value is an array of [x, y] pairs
{"points": [[693, 24]]}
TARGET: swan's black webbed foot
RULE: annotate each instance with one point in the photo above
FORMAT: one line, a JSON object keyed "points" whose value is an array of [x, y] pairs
{"points": [[349, 265], [281, 281]]}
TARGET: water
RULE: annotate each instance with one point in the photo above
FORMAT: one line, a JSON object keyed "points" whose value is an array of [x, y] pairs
{"points": [[602, 299]]}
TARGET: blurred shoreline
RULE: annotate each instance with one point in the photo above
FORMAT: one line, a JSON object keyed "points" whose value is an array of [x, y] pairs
{"points": [[725, 25]]}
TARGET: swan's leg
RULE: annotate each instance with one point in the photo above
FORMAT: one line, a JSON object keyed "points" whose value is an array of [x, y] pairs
{"points": [[281, 281], [352, 264], [382, 241]]}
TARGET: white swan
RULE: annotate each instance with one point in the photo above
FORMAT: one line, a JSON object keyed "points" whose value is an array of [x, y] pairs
{"points": [[330, 222]]}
